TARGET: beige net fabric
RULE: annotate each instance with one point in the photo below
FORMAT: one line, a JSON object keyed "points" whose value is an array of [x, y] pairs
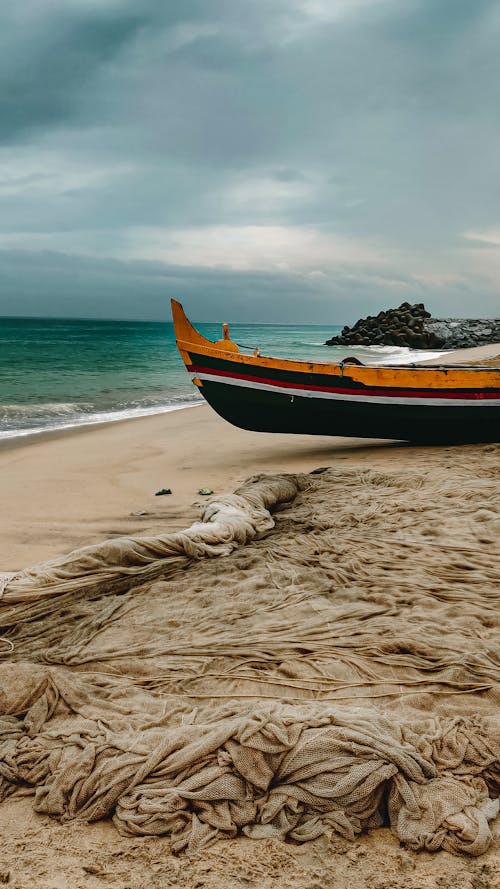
{"points": [[334, 672], [227, 522]]}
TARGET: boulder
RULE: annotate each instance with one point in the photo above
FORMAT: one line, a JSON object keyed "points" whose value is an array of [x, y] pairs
{"points": [[412, 325]]}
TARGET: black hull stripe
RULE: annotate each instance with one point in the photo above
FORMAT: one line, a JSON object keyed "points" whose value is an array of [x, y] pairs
{"points": [[372, 393], [329, 381], [275, 411]]}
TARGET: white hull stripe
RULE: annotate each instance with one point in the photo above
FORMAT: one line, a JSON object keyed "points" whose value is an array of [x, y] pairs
{"points": [[337, 396]]}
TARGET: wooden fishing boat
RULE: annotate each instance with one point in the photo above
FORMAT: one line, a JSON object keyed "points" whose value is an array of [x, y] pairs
{"points": [[418, 403]]}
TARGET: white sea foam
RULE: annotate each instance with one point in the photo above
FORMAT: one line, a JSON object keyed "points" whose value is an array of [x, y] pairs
{"points": [[122, 372], [403, 355], [95, 418], [42, 409]]}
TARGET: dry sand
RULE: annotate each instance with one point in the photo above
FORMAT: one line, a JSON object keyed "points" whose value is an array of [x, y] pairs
{"points": [[38, 853], [476, 354], [66, 490], [70, 489]]}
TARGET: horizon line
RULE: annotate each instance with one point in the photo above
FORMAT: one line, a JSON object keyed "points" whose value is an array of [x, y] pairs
{"points": [[159, 321]]}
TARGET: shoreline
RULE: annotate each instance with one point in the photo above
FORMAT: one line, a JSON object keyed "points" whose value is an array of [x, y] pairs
{"points": [[67, 488], [74, 487], [28, 437], [394, 521], [33, 437]]}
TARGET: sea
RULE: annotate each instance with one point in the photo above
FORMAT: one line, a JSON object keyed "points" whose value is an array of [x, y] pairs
{"points": [[64, 373]]}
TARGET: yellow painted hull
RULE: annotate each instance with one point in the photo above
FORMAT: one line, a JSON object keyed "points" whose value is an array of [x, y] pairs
{"points": [[419, 403]]}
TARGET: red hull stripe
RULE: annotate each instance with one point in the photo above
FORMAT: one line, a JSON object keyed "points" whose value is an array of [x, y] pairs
{"points": [[473, 395]]}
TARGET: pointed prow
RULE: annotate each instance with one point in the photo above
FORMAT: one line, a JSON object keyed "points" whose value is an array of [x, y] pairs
{"points": [[183, 329], [186, 334]]}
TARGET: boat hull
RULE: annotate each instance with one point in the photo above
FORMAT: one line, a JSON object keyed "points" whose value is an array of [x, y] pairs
{"points": [[273, 412], [439, 404]]}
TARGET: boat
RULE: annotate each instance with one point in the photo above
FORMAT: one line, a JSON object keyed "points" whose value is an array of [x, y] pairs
{"points": [[436, 403]]}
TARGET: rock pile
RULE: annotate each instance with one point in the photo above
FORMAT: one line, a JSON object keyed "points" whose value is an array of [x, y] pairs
{"points": [[412, 325], [463, 333], [404, 326]]}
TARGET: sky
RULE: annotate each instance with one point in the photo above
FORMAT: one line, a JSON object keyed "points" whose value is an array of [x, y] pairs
{"points": [[271, 160]]}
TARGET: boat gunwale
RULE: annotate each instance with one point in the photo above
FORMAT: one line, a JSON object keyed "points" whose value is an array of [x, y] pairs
{"points": [[243, 358], [184, 328], [255, 359]]}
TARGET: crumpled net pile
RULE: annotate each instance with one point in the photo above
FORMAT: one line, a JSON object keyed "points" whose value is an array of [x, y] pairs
{"points": [[320, 654]]}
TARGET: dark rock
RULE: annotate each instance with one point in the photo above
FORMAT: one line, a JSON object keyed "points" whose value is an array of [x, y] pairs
{"points": [[412, 325], [457, 333]]}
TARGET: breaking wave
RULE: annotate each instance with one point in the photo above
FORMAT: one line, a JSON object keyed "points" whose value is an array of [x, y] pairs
{"points": [[25, 419]]}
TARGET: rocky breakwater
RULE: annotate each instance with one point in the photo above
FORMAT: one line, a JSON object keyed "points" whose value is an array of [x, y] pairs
{"points": [[404, 326], [463, 333], [413, 326]]}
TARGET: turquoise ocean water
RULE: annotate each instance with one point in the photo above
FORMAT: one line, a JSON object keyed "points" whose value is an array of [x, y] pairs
{"points": [[59, 373]]}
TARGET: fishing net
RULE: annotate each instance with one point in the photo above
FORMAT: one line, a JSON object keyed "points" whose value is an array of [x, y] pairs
{"points": [[329, 668]]}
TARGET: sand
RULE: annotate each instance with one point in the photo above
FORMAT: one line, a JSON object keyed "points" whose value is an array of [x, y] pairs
{"points": [[65, 490], [38, 853], [476, 354], [69, 489]]}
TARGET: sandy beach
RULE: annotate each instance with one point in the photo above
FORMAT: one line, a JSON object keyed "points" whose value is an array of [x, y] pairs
{"points": [[237, 659], [386, 530], [70, 489]]}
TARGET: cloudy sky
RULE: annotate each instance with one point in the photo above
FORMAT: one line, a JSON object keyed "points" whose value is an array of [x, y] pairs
{"points": [[295, 160]]}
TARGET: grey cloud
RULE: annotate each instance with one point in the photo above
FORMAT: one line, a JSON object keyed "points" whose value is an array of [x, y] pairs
{"points": [[76, 286], [45, 70], [386, 115], [79, 286]]}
